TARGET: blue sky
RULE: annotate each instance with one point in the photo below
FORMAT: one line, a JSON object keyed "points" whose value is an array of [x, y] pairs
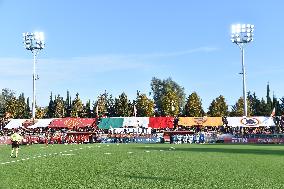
{"points": [[118, 46]]}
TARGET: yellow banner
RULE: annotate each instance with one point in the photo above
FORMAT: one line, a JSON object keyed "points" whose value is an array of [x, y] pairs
{"points": [[200, 121]]}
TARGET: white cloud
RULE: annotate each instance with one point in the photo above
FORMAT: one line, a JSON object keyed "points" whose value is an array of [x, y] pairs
{"points": [[184, 52], [79, 73], [16, 67]]}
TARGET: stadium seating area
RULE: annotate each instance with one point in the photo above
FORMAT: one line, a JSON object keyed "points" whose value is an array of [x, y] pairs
{"points": [[140, 129]]}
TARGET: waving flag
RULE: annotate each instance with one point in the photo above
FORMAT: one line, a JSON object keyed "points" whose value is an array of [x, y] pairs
{"points": [[97, 110], [134, 110], [273, 112]]}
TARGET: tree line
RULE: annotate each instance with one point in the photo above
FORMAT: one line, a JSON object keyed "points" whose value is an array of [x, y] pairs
{"points": [[168, 99]]}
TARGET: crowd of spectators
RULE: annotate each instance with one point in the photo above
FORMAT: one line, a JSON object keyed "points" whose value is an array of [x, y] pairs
{"points": [[93, 134]]}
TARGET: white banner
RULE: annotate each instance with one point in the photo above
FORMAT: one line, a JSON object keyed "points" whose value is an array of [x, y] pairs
{"points": [[136, 122], [40, 123], [15, 123], [250, 121]]}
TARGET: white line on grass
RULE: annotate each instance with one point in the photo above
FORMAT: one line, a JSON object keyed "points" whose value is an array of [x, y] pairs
{"points": [[68, 154], [45, 155]]}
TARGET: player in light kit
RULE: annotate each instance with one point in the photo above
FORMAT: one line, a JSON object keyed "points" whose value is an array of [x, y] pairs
{"points": [[15, 139]]}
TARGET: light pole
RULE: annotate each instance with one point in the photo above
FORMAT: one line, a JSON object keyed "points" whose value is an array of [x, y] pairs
{"points": [[34, 42], [242, 34]]}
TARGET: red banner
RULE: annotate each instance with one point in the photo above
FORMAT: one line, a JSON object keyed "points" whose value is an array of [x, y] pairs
{"points": [[73, 122], [161, 122]]}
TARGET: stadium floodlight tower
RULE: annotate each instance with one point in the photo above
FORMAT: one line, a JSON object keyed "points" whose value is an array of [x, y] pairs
{"points": [[34, 42], [241, 35]]}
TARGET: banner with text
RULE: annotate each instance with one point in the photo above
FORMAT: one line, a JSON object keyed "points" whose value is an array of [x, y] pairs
{"points": [[250, 121], [200, 121]]}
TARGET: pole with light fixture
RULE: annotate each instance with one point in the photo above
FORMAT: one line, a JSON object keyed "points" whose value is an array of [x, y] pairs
{"points": [[34, 42], [241, 35]]}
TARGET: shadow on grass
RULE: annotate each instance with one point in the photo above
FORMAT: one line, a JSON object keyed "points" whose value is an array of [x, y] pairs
{"points": [[219, 149]]}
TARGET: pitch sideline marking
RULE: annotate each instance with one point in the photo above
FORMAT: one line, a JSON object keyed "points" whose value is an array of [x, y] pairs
{"points": [[61, 153], [34, 157], [45, 155]]}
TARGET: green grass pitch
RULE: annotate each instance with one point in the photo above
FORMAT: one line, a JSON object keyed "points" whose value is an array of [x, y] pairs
{"points": [[143, 166]]}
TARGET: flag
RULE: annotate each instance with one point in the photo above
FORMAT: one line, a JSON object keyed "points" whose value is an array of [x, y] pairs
{"points": [[97, 110], [273, 112], [134, 110]]}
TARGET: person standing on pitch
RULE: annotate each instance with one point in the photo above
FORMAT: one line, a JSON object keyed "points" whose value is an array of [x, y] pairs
{"points": [[15, 139]]}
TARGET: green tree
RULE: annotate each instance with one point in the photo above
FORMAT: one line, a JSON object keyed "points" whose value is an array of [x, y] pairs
{"points": [[51, 107], [22, 108], [100, 106], [269, 104], [170, 104], [218, 107], [281, 106], [276, 105], [17, 107], [238, 108], [87, 110], [123, 107], [11, 107], [193, 106], [67, 105], [28, 109], [161, 88], [41, 112], [105, 105], [255, 104], [6, 95], [77, 107], [59, 109], [2, 106], [144, 106], [263, 108], [110, 104]]}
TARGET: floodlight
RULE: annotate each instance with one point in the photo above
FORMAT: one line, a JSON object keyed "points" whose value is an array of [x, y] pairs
{"points": [[34, 42], [242, 34]]}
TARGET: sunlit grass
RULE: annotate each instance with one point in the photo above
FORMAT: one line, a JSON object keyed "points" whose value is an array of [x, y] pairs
{"points": [[143, 166]]}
